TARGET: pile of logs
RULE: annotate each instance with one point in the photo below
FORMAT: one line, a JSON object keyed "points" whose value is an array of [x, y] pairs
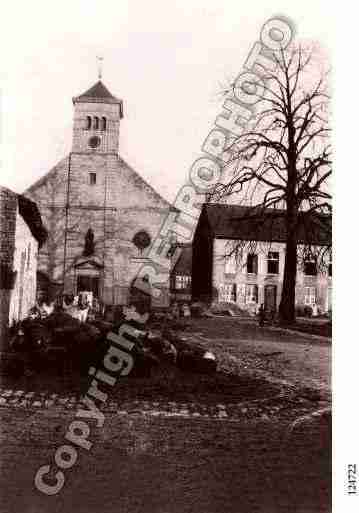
{"points": [[62, 339]]}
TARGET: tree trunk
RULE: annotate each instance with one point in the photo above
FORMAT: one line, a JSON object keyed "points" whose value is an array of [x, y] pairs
{"points": [[287, 302]]}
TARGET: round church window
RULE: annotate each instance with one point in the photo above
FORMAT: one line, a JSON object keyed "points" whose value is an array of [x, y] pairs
{"points": [[94, 142], [141, 240]]}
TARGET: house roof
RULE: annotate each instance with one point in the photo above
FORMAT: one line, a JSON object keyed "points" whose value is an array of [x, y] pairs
{"points": [[184, 262], [98, 93], [31, 215], [256, 223]]}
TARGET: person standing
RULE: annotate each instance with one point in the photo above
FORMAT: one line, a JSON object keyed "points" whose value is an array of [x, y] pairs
{"points": [[83, 306], [261, 315]]}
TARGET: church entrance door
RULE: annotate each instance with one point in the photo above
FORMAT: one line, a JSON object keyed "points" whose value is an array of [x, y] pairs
{"points": [[88, 276], [88, 284]]}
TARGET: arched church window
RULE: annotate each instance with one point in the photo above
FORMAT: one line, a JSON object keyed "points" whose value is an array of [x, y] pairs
{"points": [[96, 123], [104, 124], [88, 123]]}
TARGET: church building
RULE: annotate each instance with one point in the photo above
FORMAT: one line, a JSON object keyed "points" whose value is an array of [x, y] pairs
{"points": [[101, 216]]}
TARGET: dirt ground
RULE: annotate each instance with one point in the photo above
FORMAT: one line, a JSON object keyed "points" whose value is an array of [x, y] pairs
{"points": [[244, 348], [253, 461]]}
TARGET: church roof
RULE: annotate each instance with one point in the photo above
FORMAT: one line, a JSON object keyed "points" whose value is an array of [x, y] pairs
{"points": [[62, 167], [98, 93]]}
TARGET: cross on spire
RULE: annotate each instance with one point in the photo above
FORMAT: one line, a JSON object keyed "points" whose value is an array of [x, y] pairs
{"points": [[99, 66]]}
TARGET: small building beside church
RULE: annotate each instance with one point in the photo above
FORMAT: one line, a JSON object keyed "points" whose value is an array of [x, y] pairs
{"points": [[181, 275], [239, 259], [101, 215], [22, 234]]}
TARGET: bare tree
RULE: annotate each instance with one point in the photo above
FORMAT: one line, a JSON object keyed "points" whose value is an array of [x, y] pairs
{"points": [[282, 160]]}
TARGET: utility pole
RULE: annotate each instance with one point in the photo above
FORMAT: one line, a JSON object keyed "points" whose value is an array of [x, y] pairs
{"points": [[67, 206]]}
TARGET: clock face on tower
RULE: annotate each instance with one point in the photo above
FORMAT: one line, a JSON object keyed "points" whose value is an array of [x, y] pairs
{"points": [[94, 142]]}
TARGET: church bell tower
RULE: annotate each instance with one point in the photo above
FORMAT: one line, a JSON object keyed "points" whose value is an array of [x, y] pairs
{"points": [[96, 126]]}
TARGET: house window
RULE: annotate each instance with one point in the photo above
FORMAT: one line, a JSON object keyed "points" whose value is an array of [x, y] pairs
{"points": [[273, 262], [230, 265], [96, 123], [310, 266], [228, 292], [104, 124], [252, 263], [251, 293], [310, 295], [88, 123], [182, 281], [92, 178]]}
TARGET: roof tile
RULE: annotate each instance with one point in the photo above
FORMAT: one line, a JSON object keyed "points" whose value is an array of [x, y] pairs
{"points": [[255, 223], [98, 93]]}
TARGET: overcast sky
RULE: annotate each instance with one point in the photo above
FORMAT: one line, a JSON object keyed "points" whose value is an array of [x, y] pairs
{"points": [[167, 60]]}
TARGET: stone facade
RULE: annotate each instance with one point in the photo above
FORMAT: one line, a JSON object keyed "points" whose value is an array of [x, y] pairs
{"points": [[248, 290], [94, 188]]}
